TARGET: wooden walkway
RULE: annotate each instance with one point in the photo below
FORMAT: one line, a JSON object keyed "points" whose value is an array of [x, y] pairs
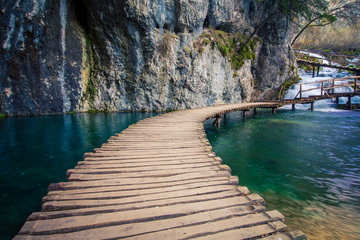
{"points": [[158, 179], [327, 91], [318, 65]]}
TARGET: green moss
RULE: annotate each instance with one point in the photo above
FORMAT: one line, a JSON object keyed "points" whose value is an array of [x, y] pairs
{"points": [[230, 46], [223, 48], [89, 69], [294, 78], [206, 42]]}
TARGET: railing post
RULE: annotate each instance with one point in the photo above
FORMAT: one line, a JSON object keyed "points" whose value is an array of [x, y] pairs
{"points": [[322, 89], [300, 91], [333, 86]]}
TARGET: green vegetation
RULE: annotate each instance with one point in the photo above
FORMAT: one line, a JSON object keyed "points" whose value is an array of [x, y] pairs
{"points": [[230, 46], [2, 115], [88, 70], [293, 72], [352, 52]]}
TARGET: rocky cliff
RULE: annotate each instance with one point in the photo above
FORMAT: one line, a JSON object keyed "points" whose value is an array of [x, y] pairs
{"points": [[76, 55]]}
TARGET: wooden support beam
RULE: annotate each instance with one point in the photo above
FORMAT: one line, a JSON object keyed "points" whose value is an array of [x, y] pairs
{"points": [[293, 107], [217, 121], [322, 89], [244, 112], [318, 70], [312, 106], [349, 102], [273, 110], [314, 66], [254, 112]]}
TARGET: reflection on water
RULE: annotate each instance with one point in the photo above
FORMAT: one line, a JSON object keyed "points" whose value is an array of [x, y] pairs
{"points": [[36, 151], [305, 164]]}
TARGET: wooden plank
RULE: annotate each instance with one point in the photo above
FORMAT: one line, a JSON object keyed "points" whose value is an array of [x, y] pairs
{"points": [[84, 174], [120, 168], [139, 228], [81, 207], [116, 187], [247, 233], [142, 155], [190, 188], [77, 223], [132, 164], [143, 181], [212, 227], [96, 199], [152, 159], [139, 203]]}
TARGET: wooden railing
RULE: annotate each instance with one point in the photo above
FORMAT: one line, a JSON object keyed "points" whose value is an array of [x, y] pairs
{"points": [[328, 86]]}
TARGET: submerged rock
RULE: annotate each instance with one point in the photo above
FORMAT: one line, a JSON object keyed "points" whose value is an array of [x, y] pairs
{"points": [[62, 56]]}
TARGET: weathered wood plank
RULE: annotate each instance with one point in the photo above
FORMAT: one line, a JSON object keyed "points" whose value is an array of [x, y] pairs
{"points": [[95, 206], [135, 229], [134, 164], [247, 233], [149, 187], [106, 169], [82, 175], [212, 227], [142, 181], [191, 189], [77, 223]]}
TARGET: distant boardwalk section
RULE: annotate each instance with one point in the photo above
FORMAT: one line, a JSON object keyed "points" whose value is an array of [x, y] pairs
{"points": [[158, 179]]}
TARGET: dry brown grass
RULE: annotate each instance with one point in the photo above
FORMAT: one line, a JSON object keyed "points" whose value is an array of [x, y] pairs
{"points": [[340, 37]]}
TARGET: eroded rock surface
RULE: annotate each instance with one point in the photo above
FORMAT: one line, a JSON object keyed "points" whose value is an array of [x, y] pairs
{"points": [[62, 56]]}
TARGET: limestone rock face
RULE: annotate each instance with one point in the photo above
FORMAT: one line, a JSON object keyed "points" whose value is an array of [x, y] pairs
{"points": [[132, 55]]}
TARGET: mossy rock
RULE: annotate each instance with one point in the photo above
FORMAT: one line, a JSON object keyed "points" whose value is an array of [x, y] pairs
{"points": [[230, 45]]}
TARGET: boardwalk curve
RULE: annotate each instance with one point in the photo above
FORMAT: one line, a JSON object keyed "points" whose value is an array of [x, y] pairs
{"points": [[158, 179]]}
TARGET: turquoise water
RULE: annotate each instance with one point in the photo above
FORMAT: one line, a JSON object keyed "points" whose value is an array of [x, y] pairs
{"points": [[304, 164], [37, 151]]}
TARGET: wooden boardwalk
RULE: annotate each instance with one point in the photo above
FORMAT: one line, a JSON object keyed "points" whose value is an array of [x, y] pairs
{"points": [[318, 65], [327, 89], [158, 179]]}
